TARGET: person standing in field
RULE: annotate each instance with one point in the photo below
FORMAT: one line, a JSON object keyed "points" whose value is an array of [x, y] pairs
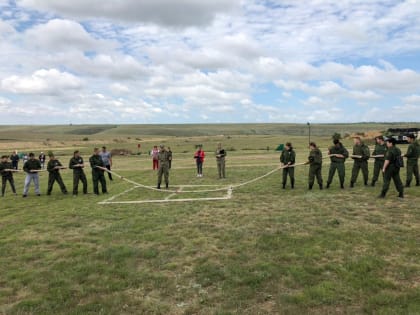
{"points": [[31, 168], [6, 171], [98, 169], [154, 153], [53, 167], [41, 158], [220, 159], [288, 159], [412, 156], [199, 160], [338, 155], [77, 165], [391, 169], [361, 155], [315, 166], [379, 155], [163, 158], [15, 160], [170, 157], [106, 157]]}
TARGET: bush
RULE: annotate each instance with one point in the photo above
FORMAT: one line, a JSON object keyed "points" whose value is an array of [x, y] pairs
{"points": [[85, 139]]}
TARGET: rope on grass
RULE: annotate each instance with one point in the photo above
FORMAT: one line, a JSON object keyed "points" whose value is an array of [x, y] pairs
{"points": [[229, 187]]}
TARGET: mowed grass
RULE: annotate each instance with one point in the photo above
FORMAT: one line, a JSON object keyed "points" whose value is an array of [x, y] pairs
{"points": [[264, 251]]}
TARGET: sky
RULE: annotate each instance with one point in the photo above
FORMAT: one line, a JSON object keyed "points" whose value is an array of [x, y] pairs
{"points": [[209, 61]]}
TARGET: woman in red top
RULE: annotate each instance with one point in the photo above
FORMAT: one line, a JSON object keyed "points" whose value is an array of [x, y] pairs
{"points": [[199, 160]]}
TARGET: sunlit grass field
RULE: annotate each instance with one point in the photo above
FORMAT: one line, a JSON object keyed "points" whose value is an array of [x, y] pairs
{"points": [[263, 251]]}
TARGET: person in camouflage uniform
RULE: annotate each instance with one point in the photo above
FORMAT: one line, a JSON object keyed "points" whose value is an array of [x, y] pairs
{"points": [[53, 168], [98, 169], [315, 166], [379, 155], [412, 156], [77, 165], [391, 169], [287, 159], [163, 158], [221, 161], [338, 155], [6, 171], [361, 155]]}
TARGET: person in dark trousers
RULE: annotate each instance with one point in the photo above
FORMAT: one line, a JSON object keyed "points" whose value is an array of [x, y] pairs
{"points": [[221, 161], [163, 158], [170, 157], [77, 165], [287, 159], [391, 169], [15, 160], [412, 155], [53, 167], [41, 158], [315, 166], [107, 159], [379, 155], [98, 169], [6, 171], [338, 155], [199, 160], [361, 155]]}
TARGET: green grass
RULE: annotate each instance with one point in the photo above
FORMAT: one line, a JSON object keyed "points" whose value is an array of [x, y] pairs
{"points": [[265, 251]]}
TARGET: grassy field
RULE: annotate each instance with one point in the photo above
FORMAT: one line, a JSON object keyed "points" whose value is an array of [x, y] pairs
{"points": [[264, 251]]}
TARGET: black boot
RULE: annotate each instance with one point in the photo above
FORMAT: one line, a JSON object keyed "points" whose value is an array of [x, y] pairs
{"points": [[366, 183], [407, 184], [382, 195], [328, 185], [351, 185], [284, 185], [310, 186], [320, 186], [401, 195], [373, 183], [342, 185], [292, 183], [417, 183], [158, 186], [167, 185]]}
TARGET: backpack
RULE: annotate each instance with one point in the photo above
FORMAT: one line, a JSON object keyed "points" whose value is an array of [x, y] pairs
{"points": [[399, 161]]}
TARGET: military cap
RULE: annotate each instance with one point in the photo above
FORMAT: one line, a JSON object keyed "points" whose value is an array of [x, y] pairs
{"points": [[391, 140]]}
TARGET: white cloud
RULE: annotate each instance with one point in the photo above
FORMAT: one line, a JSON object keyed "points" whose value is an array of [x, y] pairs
{"points": [[119, 88], [61, 35], [164, 12], [49, 82]]}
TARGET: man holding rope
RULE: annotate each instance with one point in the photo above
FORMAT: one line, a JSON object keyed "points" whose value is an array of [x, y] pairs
{"points": [[315, 165], [391, 169], [361, 155], [53, 167], [6, 171], [338, 155], [412, 156], [98, 169], [31, 167], [77, 165], [287, 159], [379, 156]]}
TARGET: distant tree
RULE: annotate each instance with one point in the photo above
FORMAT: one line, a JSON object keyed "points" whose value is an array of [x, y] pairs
{"points": [[336, 135]]}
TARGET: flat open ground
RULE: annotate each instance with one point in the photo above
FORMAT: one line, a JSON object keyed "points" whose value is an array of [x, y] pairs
{"points": [[263, 251]]}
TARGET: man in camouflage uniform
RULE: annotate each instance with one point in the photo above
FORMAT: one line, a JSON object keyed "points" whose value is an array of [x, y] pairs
{"points": [[6, 171], [315, 165], [379, 155], [391, 169], [338, 155], [77, 165], [412, 156], [220, 159], [287, 159], [53, 168], [163, 158], [98, 169], [361, 155]]}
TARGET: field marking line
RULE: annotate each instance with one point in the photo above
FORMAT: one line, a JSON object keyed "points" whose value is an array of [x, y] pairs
{"points": [[174, 194]]}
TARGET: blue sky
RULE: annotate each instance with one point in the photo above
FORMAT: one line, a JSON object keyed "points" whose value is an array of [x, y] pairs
{"points": [[187, 61]]}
